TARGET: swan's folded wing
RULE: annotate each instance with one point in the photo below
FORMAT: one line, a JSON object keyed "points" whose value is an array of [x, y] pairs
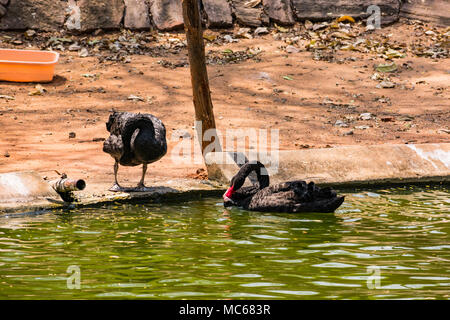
{"points": [[114, 146], [264, 200]]}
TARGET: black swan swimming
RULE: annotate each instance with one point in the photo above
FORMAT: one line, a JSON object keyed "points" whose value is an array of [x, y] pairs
{"points": [[291, 196], [135, 138]]}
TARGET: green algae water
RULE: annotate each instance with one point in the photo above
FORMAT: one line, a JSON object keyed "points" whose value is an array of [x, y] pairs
{"points": [[381, 244]]}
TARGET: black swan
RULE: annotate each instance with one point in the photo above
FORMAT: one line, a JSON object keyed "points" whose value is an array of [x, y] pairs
{"points": [[135, 138], [291, 196]]}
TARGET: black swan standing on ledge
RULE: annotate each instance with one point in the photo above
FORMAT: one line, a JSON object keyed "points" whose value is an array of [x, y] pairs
{"points": [[135, 138], [291, 196]]}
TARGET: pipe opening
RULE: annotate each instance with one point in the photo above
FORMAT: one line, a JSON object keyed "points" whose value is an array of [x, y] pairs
{"points": [[81, 184]]}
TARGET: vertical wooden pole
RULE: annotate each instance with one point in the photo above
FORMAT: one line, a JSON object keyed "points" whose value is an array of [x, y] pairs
{"points": [[199, 74]]}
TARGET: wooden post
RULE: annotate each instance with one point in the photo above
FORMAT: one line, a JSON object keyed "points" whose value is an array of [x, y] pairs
{"points": [[199, 74]]}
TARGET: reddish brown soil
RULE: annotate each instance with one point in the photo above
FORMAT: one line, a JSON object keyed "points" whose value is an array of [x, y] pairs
{"points": [[252, 94]]}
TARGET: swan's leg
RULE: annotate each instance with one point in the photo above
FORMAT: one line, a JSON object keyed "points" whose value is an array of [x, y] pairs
{"points": [[116, 187], [141, 183]]}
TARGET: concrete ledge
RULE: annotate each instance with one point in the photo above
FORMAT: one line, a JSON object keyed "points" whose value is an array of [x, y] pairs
{"points": [[16, 187], [342, 166], [353, 165], [44, 198]]}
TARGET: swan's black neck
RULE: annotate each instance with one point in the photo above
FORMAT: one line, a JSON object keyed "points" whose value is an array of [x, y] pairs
{"points": [[261, 174], [238, 181]]}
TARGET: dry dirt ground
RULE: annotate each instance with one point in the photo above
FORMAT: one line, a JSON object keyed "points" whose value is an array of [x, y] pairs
{"points": [[302, 97]]}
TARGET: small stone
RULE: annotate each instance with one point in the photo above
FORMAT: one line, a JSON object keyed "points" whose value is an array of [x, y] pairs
{"points": [[444, 131], [74, 47], [406, 118], [292, 49], [72, 135], [349, 133], [365, 116], [229, 38], [30, 33], [6, 154], [370, 27], [386, 84], [244, 33], [340, 123], [261, 30], [376, 76], [83, 53]]}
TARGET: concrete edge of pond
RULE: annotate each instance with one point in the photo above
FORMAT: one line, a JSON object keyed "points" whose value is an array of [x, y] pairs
{"points": [[346, 165], [185, 189], [352, 166]]}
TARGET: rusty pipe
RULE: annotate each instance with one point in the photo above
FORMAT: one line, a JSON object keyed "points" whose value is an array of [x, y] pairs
{"points": [[64, 185]]}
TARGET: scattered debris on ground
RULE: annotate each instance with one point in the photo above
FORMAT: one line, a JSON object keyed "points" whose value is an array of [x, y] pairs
{"points": [[307, 81]]}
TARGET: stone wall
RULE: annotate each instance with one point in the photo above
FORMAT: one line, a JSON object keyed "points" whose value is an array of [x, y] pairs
{"points": [[436, 11], [88, 15]]}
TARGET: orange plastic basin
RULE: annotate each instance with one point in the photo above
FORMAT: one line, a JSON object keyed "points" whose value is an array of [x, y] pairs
{"points": [[27, 65]]}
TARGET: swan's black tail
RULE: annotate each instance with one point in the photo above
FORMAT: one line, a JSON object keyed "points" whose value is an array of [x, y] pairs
{"points": [[325, 205], [140, 121]]}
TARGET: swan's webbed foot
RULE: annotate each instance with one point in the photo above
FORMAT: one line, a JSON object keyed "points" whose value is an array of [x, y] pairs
{"points": [[141, 188], [117, 188]]}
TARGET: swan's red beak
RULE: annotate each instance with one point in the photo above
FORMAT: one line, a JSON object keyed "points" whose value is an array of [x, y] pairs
{"points": [[227, 195]]}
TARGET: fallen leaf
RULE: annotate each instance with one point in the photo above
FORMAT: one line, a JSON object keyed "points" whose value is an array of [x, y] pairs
{"points": [[340, 35], [392, 67], [319, 26], [39, 90], [391, 53], [308, 25], [346, 18], [209, 37], [281, 29], [88, 75], [252, 3], [135, 98]]}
